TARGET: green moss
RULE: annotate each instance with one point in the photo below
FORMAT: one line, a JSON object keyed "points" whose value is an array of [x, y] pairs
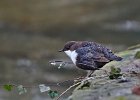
{"points": [[137, 55], [120, 98], [126, 54], [115, 73], [86, 85]]}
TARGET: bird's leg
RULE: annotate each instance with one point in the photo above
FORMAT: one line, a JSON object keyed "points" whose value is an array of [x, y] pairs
{"points": [[90, 72]]}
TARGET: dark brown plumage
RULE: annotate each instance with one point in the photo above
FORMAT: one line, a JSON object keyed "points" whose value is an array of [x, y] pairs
{"points": [[89, 55]]}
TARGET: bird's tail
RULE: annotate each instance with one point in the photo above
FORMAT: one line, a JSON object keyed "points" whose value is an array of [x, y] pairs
{"points": [[114, 57], [118, 58]]}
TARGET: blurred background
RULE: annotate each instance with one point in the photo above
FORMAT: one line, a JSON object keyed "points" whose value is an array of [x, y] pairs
{"points": [[32, 32]]}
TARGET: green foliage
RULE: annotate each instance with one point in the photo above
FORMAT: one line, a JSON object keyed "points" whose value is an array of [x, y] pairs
{"points": [[21, 89], [53, 94], [8, 87], [120, 98], [85, 85], [115, 73]]}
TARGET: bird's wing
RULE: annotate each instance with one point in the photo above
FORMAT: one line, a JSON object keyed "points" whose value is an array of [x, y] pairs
{"points": [[101, 50], [88, 59], [84, 62], [89, 54]]}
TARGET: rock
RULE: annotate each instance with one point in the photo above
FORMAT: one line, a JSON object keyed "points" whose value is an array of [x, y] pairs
{"points": [[107, 89], [136, 90], [137, 55]]}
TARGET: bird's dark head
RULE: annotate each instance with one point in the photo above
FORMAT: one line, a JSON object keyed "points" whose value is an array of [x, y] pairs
{"points": [[68, 46]]}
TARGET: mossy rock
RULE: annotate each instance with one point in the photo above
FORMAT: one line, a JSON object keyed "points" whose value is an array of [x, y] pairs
{"points": [[137, 55], [106, 89]]}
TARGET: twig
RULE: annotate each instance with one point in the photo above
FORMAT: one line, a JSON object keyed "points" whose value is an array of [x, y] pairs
{"points": [[87, 78], [68, 89]]}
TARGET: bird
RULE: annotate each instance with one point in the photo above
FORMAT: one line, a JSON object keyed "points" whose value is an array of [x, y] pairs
{"points": [[89, 55]]}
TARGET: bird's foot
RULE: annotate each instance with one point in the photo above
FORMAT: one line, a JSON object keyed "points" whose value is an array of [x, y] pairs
{"points": [[89, 74]]}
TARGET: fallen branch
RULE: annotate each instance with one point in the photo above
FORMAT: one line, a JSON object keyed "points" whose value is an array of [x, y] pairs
{"points": [[68, 90], [86, 79]]}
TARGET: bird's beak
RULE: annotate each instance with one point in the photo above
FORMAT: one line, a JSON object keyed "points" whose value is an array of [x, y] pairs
{"points": [[61, 50]]}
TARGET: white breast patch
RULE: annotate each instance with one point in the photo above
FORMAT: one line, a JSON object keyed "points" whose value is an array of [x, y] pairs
{"points": [[72, 55]]}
